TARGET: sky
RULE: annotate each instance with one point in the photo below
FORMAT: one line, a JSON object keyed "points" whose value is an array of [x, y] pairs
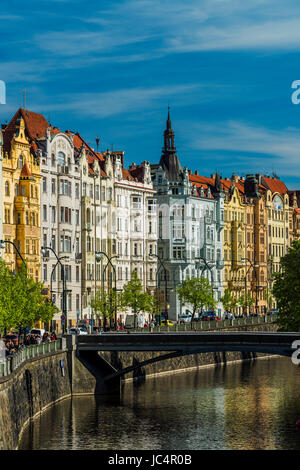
{"points": [[110, 69]]}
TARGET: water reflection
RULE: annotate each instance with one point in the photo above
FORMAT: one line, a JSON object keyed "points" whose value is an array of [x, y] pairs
{"points": [[241, 406]]}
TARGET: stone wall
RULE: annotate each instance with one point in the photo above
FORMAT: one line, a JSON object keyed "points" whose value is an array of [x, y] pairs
{"points": [[30, 390]]}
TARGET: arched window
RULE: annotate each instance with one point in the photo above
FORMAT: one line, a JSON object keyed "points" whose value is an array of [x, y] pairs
{"points": [[21, 161], [61, 158], [6, 188]]}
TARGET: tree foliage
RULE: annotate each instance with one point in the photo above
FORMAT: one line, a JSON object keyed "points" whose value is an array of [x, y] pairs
{"points": [[198, 293], [286, 289], [228, 301], [105, 303], [21, 301], [135, 298]]}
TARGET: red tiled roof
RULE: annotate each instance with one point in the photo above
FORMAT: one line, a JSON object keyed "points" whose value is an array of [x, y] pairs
{"points": [[127, 175], [35, 124], [275, 185]]}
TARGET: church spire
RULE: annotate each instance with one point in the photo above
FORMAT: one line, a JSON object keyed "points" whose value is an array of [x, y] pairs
{"points": [[169, 160], [169, 135]]}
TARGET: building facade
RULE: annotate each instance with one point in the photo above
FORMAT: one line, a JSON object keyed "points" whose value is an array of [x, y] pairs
{"points": [[190, 225], [21, 197]]}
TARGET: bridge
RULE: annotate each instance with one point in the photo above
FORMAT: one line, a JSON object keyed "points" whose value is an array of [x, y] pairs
{"points": [[174, 344]]}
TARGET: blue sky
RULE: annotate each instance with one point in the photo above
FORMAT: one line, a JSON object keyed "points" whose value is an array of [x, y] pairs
{"points": [[110, 68]]}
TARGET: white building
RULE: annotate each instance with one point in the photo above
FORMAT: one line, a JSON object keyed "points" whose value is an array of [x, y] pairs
{"points": [[190, 224]]}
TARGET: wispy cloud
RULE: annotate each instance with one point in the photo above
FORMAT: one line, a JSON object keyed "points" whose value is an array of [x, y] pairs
{"points": [[178, 27], [129, 100], [252, 147]]}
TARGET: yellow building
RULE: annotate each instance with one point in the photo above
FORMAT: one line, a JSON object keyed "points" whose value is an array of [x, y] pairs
{"points": [[234, 239], [21, 195]]}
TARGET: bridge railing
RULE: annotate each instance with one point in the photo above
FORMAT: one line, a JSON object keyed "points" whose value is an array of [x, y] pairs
{"points": [[213, 325], [11, 363]]}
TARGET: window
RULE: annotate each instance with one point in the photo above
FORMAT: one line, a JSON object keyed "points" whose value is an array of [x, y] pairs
{"points": [[16, 190], [178, 252], [61, 158], [53, 244], [6, 188], [53, 186], [77, 217], [110, 194], [77, 274], [18, 218], [91, 191], [103, 195], [44, 184], [84, 189], [77, 191], [53, 214], [44, 213], [45, 272], [97, 194]]}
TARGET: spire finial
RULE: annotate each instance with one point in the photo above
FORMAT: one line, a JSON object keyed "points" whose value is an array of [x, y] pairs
{"points": [[169, 120]]}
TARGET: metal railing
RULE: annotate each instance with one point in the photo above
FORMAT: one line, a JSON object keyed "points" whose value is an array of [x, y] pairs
{"points": [[12, 362], [211, 325]]}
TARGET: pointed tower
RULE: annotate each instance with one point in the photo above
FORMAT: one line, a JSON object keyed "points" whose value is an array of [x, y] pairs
{"points": [[169, 160]]}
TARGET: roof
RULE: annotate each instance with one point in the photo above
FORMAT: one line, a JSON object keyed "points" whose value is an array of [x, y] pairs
{"points": [[275, 185], [35, 125], [25, 172]]}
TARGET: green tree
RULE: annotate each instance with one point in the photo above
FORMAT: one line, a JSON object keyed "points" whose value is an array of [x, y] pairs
{"points": [[228, 301], [135, 298], [286, 289], [198, 293], [246, 300], [105, 303], [21, 301]]}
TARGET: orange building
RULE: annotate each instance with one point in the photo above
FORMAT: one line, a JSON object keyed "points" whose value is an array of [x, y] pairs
{"points": [[21, 194]]}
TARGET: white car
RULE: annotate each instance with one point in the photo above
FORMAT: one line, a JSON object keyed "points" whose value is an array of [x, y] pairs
{"points": [[77, 331], [185, 318]]}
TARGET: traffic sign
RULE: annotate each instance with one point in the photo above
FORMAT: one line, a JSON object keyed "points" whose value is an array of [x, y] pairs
{"points": [[62, 317]]}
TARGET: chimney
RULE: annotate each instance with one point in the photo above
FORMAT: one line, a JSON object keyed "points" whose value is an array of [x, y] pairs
{"points": [[196, 172]]}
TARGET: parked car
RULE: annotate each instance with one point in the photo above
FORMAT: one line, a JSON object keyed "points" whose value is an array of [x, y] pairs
{"points": [[77, 331], [185, 318], [167, 323], [37, 331]]}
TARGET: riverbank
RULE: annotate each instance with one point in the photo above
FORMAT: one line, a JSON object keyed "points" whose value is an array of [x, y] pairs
{"points": [[40, 382]]}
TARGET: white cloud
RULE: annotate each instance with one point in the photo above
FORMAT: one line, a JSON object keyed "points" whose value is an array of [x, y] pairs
{"points": [[131, 100], [253, 148]]}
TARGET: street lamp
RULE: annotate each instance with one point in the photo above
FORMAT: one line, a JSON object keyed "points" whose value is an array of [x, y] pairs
{"points": [[254, 266], [4, 242], [161, 264], [44, 250], [99, 255]]}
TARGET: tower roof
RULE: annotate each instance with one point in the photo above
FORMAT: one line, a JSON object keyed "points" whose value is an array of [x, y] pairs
{"points": [[169, 160]]}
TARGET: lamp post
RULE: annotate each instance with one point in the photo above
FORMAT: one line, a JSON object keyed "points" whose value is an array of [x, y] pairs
{"points": [[254, 266], [64, 300], [161, 265], [4, 242], [52, 274], [206, 266], [99, 256]]}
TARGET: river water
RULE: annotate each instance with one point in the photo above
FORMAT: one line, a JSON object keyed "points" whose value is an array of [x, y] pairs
{"points": [[240, 406]]}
